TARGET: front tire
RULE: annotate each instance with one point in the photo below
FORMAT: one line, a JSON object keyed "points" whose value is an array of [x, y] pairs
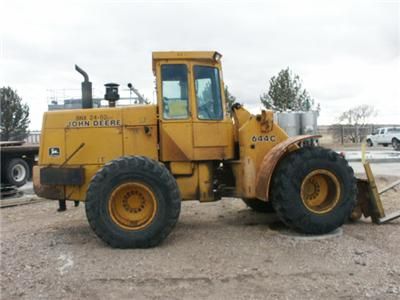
{"points": [[133, 202], [313, 190], [259, 206]]}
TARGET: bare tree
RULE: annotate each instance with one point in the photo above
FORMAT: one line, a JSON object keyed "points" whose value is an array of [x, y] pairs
{"points": [[355, 121]]}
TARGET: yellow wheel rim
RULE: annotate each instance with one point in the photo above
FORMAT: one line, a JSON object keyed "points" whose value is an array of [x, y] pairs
{"points": [[320, 191], [132, 206]]}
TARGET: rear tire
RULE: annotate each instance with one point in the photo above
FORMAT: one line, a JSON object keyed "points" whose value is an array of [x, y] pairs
{"points": [[17, 172], [369, 143], [313, 190], [133, 202], [396, 144], [259, 206]]}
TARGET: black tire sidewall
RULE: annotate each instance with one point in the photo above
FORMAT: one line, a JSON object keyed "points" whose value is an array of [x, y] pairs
{"points": [[290, 205], [333, 215], [143, 170], [395, 144], [10, 165], [151, 229]]}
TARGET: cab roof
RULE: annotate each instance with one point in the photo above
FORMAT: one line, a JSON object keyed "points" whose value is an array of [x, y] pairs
{"points": [[213, 56]]}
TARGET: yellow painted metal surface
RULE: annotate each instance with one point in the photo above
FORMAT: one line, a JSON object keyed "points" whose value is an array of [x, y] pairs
{"points": [[176, 141], [176, 135], [188, 186], [101, 145], [363, 149], [210, 134], [378, 210], [254, 143], [213, 140], [206, 182], [199, 184], [107, 133], [240, 117], [95, 121], [132, 206], [192, 148], [369, 202], [182, 168], [141, 140], [207, 56], [52, 137], [320, 191], [191, 139]]}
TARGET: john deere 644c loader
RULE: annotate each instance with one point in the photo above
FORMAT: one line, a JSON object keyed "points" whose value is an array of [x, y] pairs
{"points": [[132, 166]]}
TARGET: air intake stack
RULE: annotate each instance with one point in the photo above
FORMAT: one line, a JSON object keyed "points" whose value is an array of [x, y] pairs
{"points": [[111, 95]]}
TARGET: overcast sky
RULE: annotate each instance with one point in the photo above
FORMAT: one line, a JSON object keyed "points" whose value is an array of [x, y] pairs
{"points": [[346, 52]]}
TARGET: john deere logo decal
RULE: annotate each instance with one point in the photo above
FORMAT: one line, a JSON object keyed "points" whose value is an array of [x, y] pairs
{"points": [[54, 151]]}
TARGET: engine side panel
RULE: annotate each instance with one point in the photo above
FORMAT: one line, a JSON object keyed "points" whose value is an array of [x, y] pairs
{"points": [[92, 137]]}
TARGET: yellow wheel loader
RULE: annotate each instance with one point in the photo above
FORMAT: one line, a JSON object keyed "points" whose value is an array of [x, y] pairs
{"points": [[133, 165]]}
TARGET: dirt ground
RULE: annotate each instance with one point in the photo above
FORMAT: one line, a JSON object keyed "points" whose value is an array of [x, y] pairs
{"points": [[219, 250]]}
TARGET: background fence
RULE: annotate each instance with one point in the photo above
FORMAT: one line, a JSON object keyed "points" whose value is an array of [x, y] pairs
{"points": [[344, 134]]}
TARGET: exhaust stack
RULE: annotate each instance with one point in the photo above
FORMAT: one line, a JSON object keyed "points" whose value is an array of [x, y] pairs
{"points": [[87, 100]]}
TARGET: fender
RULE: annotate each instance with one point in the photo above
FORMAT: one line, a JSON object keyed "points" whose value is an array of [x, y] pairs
{"points": [[271, 160]]}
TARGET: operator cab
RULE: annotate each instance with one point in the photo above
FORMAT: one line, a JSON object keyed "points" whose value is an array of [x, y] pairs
{"points": [[207, 91], [191, 104]]}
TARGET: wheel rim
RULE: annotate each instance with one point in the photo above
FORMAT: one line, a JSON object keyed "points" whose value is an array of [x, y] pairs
{"points": [[18, 173], [132, 206], [320, 191]]}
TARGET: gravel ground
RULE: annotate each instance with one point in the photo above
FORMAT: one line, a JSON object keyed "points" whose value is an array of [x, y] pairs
{"points": [[218, 250]]}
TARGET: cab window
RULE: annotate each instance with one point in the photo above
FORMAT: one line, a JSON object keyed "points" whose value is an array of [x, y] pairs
{"points": [[208, 93], [175, 91]]}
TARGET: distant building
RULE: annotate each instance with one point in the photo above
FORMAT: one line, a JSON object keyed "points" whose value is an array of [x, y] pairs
{"points": [[70, 104]]}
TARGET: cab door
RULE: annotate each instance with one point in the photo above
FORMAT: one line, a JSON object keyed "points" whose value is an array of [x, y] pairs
{"points": [[381, 136], [176, 127], [212, 127]]}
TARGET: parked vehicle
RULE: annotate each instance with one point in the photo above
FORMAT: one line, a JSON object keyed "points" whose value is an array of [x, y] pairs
{"points": [[17, 160], [385, 136], [133, 165]]}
